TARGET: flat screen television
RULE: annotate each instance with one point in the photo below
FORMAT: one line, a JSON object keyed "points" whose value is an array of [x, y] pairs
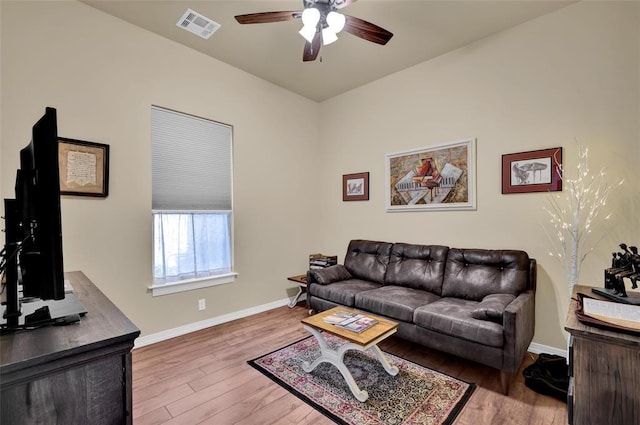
{"points": [[33, 261]]}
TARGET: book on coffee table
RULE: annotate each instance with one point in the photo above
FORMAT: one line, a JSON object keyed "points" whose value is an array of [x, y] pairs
{"points": [[350, 321], [377, 332], [358, 324], [339, 317]]}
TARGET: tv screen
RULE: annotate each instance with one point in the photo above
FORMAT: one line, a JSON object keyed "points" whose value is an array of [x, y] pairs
{"points": [[33, 241], [40, 258]]}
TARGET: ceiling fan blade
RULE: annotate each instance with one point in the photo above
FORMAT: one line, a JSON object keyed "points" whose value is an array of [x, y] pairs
{"points": [[266, 17], [339, 4], [311, 49], [366, 30]]}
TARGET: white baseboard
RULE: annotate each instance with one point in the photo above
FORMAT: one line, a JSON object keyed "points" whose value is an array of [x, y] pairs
{"points": [[197, 326], [539, 348]]}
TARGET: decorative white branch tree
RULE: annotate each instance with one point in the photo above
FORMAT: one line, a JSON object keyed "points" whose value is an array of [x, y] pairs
{"points": [[575, 214]]}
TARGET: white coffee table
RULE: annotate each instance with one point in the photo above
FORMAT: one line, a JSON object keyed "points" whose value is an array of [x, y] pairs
{"points": [[366, 340]]}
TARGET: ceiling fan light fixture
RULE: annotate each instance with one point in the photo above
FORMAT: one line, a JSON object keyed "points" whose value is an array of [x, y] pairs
{"points": [[308, 33], [310, 17], [336, 21], [328, 36]]}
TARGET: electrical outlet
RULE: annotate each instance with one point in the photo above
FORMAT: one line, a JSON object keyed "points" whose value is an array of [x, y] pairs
{"points": [[202, 304]]}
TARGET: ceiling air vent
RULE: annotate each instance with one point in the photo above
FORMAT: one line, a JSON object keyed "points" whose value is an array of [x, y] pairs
{"points": [[200, 25]]}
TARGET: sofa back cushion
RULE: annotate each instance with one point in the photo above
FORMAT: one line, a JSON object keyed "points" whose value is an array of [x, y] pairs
{"points": [[367, 260], [473, 274], [417, 266]]}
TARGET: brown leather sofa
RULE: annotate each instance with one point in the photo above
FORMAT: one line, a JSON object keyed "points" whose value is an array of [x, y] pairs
{"points": [[477, 304]]}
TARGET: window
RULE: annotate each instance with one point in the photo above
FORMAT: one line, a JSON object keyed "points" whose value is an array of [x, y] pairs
{"points": [[192, 205]]}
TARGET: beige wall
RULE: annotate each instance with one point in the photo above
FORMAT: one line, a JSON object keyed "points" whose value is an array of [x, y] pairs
{"points": [[103, 75], [573, 73]]}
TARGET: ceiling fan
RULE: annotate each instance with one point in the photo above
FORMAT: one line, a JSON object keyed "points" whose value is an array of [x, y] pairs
{"points": [[321, 23]]}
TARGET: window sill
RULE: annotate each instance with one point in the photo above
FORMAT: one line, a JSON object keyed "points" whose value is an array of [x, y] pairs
{"points": [[190, 284]]}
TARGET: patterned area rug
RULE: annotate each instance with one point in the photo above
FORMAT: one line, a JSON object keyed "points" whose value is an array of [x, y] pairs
{"points": [[417, 395]]}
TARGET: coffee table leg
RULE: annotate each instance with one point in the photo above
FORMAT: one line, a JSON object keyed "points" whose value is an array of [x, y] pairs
{"points": [[391, 369], [336, 358]]}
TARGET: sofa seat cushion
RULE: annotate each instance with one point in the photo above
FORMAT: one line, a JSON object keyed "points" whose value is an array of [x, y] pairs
{"points": [[396, 302], [452, 316], [341, 292]]}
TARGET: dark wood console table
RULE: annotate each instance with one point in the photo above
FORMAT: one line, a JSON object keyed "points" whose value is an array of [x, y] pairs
{"points": [[74, 374], [604, 370]]}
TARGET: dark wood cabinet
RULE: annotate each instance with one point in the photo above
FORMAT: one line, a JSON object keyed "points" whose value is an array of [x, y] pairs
{"points": [[604, 369], [74, 374]]}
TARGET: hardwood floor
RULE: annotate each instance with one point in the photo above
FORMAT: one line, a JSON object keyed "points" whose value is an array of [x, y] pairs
{"points": [[204, 378]]}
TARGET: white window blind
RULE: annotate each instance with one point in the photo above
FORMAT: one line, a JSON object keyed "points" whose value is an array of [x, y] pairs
{"points": [[191, 162], [192, 202]]}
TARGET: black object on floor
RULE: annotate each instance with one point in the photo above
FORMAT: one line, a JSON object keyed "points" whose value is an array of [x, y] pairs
{"points": [[548, 376]]}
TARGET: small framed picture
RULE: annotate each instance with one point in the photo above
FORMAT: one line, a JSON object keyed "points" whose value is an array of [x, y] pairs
{"points": [[533, 171], [355, 187], [84, 168]]}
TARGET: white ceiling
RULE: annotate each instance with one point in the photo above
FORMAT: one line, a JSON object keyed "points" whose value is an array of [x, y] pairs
{"points": [[422, 29]]}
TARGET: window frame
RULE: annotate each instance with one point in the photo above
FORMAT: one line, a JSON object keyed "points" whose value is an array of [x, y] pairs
{"points": [[171, 287], [189, 284]]}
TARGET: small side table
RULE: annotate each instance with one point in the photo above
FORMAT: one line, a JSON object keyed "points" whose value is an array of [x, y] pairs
{"points": [[301, 280]]}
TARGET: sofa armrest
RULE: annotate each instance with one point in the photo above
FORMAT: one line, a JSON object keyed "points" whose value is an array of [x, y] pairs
{"points": [[519, 326], [533, 273]]}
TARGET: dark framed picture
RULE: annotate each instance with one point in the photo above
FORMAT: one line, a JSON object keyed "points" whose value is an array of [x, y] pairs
{"points": [[533, 171], [84, 168], [355, 187]]}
